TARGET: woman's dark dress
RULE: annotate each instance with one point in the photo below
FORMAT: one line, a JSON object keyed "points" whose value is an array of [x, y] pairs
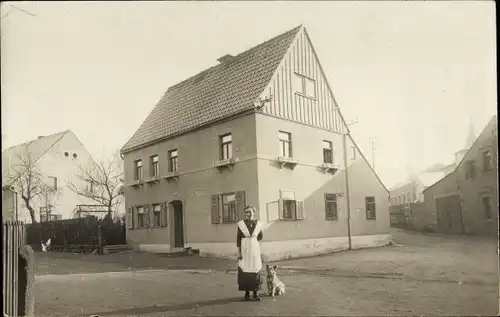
{"points": [[248, 281]]}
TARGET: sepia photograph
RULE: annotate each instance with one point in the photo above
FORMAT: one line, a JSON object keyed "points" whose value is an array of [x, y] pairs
{"points": [[249, 158]]}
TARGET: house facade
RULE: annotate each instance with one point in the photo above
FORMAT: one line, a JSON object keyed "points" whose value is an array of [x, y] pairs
{"points": [[9, 203], [259, 128], [55, 159], [465, 200]]}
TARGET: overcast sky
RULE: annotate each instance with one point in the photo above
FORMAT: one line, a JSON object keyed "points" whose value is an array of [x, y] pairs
{"points": [[413, 74]]}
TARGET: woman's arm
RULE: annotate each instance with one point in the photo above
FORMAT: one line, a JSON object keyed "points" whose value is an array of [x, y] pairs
{"points": [[239, 235], [259, 236]]}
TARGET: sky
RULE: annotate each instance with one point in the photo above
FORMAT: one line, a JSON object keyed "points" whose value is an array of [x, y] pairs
{"points": [[411, 74]]}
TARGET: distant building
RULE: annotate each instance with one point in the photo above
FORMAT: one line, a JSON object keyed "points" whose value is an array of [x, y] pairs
{"points": [[9, 204], [466, 200], [56, 158], [259, 128]]}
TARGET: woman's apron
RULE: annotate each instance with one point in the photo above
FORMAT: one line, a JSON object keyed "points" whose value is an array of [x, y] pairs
{"points": [[251, 261]]}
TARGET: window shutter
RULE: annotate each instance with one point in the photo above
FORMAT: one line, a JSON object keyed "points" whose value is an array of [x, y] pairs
{"points": [[163, 215], [273, 212], [151, 216], [215, 209], [130, 217], [134, 213], [300, 210], [240, 205], [280, 208], [146, 216]]}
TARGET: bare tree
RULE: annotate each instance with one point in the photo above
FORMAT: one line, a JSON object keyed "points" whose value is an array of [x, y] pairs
{"points": [[28, 179], [100, 182]]}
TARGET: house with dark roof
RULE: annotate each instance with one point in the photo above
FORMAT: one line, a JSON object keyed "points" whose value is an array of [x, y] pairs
{"points": [[55, 159], [465, 200], [260, 128]]}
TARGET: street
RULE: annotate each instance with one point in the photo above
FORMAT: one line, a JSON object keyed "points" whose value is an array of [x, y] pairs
{"points": [[427, 275]]}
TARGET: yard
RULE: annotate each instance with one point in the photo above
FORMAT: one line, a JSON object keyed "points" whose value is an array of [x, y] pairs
{"points": [[427, 275]]}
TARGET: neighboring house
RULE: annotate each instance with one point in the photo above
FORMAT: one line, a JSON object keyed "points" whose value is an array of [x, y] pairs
{"points": [[56, 157], [259, 128], [465, 200], [9, 203]]}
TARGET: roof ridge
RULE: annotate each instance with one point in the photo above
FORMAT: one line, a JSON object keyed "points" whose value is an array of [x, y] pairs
{"points": [[234, 57], [34, 140]]}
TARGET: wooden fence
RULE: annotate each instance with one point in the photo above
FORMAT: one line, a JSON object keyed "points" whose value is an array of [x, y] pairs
{"points": [[407, 216], [76, 235], [14, 238]]}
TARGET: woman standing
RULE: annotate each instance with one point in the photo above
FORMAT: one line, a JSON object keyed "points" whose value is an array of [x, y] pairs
{"points": [[249, 257]]}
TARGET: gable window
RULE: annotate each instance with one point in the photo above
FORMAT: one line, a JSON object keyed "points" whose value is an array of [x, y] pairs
{"points": [[90, 186], [53, 184], [155, 167], [138, 170], [285, 139], [487, 161], [370, 208], [487, 207], [226, 147], [327, 152], [304, 86], [331, 211], [172, 161], [353, 154], [470, 171], [140, 217]]}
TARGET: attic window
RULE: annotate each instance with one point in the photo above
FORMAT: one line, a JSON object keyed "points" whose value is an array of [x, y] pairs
{"points": [[74, 155], [66, 154], [224, 58], [304, 86]]}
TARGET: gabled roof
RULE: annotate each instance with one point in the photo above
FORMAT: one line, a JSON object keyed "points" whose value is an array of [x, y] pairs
{"points": [[219, 92], [430, 178], [36, 148]]}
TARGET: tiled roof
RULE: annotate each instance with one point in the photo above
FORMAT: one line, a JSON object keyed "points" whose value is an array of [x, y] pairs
{"points": [[216, 93], [37, 148]]}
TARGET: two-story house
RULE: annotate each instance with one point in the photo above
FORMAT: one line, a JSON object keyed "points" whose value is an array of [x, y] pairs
{"points": [[465, 200], [53, 160], [260, 128]]}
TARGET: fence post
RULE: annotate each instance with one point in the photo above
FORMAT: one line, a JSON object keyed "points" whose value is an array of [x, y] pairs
{"points": [[100, 239]]}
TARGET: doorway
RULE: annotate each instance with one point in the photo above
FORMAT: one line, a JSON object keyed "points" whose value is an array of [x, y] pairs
{"points": [[178, 224], [449, 214]]}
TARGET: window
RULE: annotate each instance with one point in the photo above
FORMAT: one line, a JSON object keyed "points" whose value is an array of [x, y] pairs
{"points": [[172, 161], [226, 147], [155, 167], [289, 209], [130, 219], [138, 170], [331, 212], [487, 161], [353, 154], [370, 207], [327, 152], [90, 186], [229, 208], [53, 184], [140, 217], [470, 171], [285, 144], [304, 85], [157, 215], [487, 207]]}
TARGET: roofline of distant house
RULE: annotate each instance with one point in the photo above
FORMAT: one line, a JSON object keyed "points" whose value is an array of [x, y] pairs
{"points": [[236, 115], [455, 170], [440, 180], [63, 133]]}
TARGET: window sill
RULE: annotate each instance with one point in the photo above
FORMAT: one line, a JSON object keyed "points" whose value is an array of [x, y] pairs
{"points": [[172, 175], [226, 163], [306, 96], [137, 183], [287, 161], [154, 179], [329, 168], [335, 219], [371, 218]]}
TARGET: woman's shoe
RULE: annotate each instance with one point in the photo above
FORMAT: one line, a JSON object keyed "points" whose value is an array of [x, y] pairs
{"points": [[256, 297], [247, 296]]}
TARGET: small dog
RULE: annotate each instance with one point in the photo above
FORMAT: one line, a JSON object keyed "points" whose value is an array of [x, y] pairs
{"points": [[274, 285], [46, 246]]}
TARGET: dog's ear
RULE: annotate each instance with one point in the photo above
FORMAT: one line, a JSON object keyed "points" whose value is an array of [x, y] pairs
{"points": [[275, 267]]}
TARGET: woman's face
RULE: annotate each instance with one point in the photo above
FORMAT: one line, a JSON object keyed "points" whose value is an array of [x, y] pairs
{"points": [[249, 213]]}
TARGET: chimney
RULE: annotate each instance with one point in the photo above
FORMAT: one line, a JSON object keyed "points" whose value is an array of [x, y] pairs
{"points": [[224, 58]]}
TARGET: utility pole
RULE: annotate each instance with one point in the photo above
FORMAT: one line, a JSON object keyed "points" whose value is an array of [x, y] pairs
{"points": [[372, 144]]}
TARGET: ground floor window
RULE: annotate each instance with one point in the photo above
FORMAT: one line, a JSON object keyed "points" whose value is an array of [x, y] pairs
{"points": [[370, 207], [331, 211], [227, 207], [157, 215], [486, 202]]}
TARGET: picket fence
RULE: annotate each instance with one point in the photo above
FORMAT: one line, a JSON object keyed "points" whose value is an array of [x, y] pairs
{"points": [[14, 237]]}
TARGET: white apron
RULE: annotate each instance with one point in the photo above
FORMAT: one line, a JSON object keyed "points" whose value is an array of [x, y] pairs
{"points": [[250, 248]]}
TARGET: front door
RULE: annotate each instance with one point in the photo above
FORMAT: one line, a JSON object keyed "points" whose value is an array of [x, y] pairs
{"points": [[178, 225], [449, 214]]}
